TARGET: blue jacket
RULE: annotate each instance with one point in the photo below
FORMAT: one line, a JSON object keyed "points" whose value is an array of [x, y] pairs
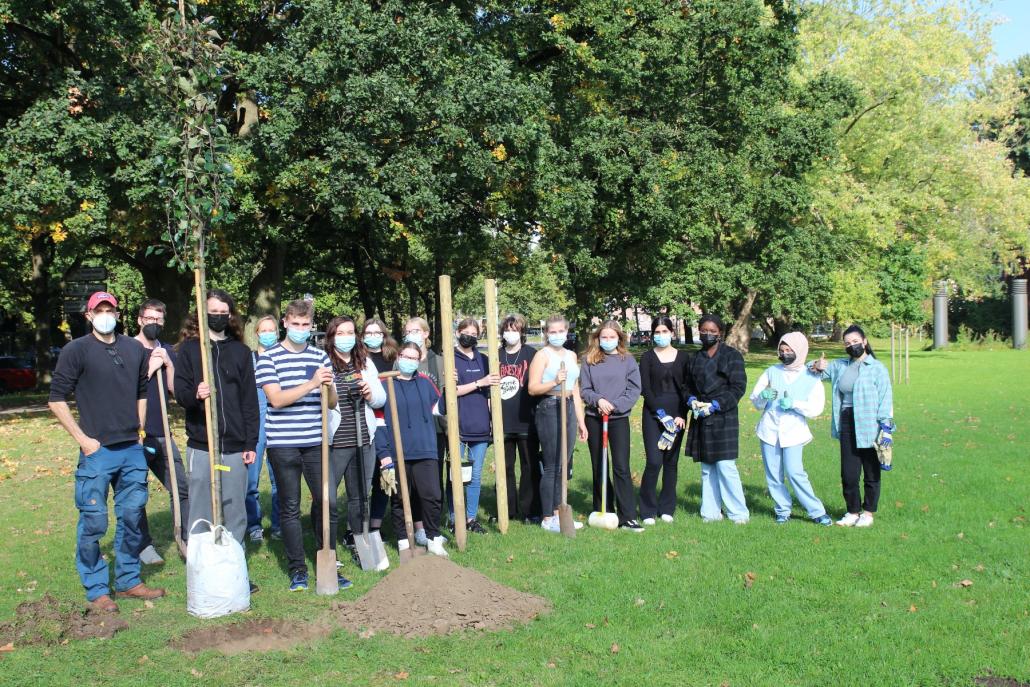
{"points": [[473, 408], [416, 400]]}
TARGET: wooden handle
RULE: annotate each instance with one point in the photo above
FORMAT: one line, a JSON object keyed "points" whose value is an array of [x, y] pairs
{"points": [[327, 545], [496, 406], [389, 374], [173, 478], [564, 441], [210, 414], [451, 394], [402, 473]]}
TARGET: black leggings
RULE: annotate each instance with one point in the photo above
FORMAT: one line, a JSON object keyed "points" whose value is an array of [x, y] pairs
{"points": [[653, 504], [619, 475], [424, 490], [855, 461], [548, 427]]}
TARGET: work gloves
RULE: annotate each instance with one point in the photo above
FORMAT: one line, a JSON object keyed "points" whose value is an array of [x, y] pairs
{"points": [[668, 437], [388, 478]]}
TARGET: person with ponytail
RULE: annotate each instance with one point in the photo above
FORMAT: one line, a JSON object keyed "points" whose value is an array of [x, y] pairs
{"points": [[787, 395], [359, 392], [714, 384], [863, 418]]}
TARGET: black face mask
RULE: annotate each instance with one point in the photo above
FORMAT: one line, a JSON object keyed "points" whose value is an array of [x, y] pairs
{"points": [[467, 340], [152, 331], [855, 350], [217, 323], [787, 358], [709, 340]]}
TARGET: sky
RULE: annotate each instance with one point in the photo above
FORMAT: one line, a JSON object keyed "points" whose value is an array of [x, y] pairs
{"points": [[1012, 38]]}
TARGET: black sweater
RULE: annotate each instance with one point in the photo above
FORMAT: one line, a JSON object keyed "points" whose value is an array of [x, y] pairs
{"points": [[662, 384], [236, 395]]}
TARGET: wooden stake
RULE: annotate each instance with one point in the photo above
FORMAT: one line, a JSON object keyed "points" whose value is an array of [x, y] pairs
{"points": [[450, 386], [907, 336], [173, 478], [894, 376], [496, 414], [210, 414]]}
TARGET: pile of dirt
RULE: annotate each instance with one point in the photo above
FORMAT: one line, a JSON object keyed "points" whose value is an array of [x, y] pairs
{"points": [[252, 635], [48, 621], [994, 681], [431, 595]]}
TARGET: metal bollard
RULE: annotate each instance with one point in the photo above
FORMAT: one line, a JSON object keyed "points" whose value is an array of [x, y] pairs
{"points": [[940, 315], [1019, 313]]}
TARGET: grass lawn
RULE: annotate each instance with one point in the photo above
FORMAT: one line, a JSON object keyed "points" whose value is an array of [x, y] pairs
{"points": [[827, 606]]}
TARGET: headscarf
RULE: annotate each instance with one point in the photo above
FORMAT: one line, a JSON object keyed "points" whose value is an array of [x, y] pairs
{"points": [[799, 344]]}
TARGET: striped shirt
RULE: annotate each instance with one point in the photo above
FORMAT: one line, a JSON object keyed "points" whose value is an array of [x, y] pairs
{"points": [[872, 398], [347, 380], [297, 425]]}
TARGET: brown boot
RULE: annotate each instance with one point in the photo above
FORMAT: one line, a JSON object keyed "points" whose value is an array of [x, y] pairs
{"points": [[103, 604], [141, 591]]}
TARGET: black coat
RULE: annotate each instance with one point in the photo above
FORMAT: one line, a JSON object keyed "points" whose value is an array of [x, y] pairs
{"points": [[720, 378]]}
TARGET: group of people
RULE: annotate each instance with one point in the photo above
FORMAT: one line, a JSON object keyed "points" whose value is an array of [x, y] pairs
{"points": [[269, 401]]}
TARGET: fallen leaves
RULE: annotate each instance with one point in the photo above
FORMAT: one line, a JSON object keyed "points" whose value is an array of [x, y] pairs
{"points": [[965, 583], [672, 554], [7, 647], [402, 675], [639, 602], [749, 579], [615, 648], [912, 608]]}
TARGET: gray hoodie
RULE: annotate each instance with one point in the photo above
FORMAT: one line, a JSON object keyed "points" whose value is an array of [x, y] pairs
{"points": [[616, 379]]}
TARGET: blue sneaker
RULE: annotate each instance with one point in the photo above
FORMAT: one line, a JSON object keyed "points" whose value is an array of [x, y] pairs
{"points": [[343, 582], [823, 520], [299, 582], [782, 519]]}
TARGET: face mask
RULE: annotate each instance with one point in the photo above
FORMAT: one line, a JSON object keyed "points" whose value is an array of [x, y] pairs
{"points": [[662, 340], [407, 366], [512, 338], [104, 323], [344, 343], [298, 336], [415, 337], [467, 341], [152, 331], [608, 345], [557, 340], [709, 340], [217, 323], [268, 339], [855, 350], [787, 358], [373, 341]]}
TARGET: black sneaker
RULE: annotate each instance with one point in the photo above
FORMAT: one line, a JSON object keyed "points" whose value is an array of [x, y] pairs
{"points": [[631, 525], [254, 589], [474, 526]]}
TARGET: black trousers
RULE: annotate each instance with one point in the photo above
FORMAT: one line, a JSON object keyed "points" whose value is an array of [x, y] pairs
{"points": [[548, 428], [653, 504], [423, 489], [619, 475], [856, 462], [158, 464], [524, 500], [289, 464], [441, 478], [348, 465]]}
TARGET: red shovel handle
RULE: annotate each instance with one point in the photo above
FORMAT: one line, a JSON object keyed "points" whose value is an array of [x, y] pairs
{"points": [[604, 431]]}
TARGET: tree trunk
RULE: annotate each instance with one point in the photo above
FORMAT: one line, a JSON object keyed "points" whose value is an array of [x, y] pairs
{"points": [[837, 334], [770, 333], [739, 335], [169, 285], [42, 296], [781, 326], [265, 291], [362, 278], [433, 316]]}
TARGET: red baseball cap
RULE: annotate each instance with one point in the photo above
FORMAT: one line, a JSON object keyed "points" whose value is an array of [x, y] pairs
{"points": [[101, 297]]}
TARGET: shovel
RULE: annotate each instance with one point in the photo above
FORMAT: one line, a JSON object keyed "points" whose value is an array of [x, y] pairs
{"points": [[604, 519], [326, 581], [173, 479], [566, 523], [369, 545], [409, 527]]}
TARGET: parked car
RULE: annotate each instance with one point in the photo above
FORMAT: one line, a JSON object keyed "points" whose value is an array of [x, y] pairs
{"points": [[639, 338], [16, 374]]}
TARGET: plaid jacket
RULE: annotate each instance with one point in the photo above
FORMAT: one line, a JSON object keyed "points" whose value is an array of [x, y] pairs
{"points": [[721, 378], [873, 398]]}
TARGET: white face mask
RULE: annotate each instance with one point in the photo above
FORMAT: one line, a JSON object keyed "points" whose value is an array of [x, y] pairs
{"points": [[415, 337], [512, 338], [104, 322]]}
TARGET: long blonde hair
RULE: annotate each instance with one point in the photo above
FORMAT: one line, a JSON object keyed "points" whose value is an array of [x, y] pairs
{"points": [[594, 354]]}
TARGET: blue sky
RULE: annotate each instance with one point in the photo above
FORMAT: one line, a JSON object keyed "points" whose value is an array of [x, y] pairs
{"points": [[1011, 39]]}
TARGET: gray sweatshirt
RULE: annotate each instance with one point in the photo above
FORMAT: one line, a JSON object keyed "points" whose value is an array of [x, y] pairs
{"points": [[616, 379]]}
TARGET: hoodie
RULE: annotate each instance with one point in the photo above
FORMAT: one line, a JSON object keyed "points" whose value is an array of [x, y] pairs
{"points": [[417, 400]]}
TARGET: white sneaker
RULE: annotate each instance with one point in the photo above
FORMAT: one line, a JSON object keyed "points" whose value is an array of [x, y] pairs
{"points": [[550, 524], [865, 520], [402, 545], [648, 521], [150, 556], [666, 518], [577, 524], [420, 538], [435, 546], [850, 520], [741, 521]]}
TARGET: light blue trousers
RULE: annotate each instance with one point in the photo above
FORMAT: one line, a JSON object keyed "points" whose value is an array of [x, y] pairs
{"points": [[783, 465], [721, 489]]}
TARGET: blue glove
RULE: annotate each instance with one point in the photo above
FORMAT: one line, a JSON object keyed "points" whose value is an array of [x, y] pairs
{"points": [[691, 400], [667, 421], [786, 403], [715, 408], [886, 437], [666, 441], [768, 393]]}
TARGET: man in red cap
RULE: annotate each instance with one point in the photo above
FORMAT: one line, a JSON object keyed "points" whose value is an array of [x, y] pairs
{"points": [[108, 373]]}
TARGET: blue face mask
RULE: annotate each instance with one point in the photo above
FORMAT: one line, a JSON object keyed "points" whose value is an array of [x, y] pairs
{"points": [[415, 337], [268, 339], [373, 341], [407, 366], [298, 336], [608, 345], [662, 340], [344, 343], [557, 339]]}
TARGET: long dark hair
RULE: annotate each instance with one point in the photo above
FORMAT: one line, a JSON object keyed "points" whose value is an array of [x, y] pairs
{"points": [[358, 354], [191, 327], [855, 329], [390, 348], [659, 321]]}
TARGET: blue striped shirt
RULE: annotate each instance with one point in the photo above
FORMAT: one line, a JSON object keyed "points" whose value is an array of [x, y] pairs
{"points": [[299, 424], [873, 398]]}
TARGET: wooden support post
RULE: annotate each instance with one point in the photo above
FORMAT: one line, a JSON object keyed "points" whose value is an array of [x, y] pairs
{"points": [[450, 385], [496, 414]]}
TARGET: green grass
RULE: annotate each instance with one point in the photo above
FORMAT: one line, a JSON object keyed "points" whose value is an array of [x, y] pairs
{"points": [[828, 606]]}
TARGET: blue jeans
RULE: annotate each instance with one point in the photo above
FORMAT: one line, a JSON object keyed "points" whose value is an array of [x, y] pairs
{"points": [[254, 476], [476, 454], [123, 467], [721, 488], [783, 465]]}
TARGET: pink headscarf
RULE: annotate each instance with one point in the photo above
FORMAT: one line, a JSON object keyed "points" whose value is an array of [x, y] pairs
{"points": [[799, 344]]}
